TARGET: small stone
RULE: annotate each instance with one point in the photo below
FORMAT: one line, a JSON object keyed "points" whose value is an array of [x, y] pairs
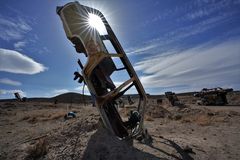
{"points": [[177, 117], [210, 114], [188, 149]]}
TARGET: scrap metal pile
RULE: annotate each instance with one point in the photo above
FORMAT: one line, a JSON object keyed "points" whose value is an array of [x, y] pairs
{"points": [[100, 66], [19, 98], [173, 99], [213, 96]]}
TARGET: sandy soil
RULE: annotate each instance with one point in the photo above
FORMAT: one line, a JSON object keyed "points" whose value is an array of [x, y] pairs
{"points": [[35, 130]]}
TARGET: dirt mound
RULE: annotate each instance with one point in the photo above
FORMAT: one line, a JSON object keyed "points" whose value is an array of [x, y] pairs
{"points": [[85, 139], [157, 111], [75, 138], [104, 146], [92, 142]]}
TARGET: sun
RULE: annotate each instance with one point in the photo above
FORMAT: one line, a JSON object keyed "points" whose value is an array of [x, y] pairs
{"points": [[96, 22]]}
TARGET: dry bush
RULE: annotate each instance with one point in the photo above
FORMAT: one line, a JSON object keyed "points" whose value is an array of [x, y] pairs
{"points": [[203, 120], [9, 104], [57, 115], [34, 118], [26, 117], [220, 119], [176, 117], [52, 105], [148, 118], [37, 150], [156, 111]]}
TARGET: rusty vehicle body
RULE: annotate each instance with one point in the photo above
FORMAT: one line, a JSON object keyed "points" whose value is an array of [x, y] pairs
{"points": [[213, 96], [173, 99], [100, 66], [19, 98]]}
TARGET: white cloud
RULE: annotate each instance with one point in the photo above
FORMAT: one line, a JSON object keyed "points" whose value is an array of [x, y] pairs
{"points": [[5, 92], [60, 91], [79, 89], [23, 25], [170, 40], [17, 30], [15, 62], [208, 8], [140, 50], [191, 20], [191, 10], [10, 82], [206, 66], [19, 45], [197, 28], [13, 28]]}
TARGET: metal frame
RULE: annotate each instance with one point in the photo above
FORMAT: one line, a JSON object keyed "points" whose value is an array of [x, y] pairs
{"points": [[93, 60]]}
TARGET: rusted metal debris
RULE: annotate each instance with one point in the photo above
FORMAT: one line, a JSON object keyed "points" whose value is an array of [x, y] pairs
{"points": [[19, 98], [97, 71], [173, 99], [213, 96]]}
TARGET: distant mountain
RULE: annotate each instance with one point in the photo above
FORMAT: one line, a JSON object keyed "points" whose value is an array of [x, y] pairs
{"points": [[72, 97], [69, 97]]}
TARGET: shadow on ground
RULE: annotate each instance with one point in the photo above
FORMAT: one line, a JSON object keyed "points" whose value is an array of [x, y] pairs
{"points": [[182, 152], [104, 146]]}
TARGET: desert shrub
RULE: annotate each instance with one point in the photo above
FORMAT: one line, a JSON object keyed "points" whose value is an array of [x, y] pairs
{"points": [[148, 118], [58, 115], [37, 150], [26, 117], [32, 120], [177, 117], [203, 120]]}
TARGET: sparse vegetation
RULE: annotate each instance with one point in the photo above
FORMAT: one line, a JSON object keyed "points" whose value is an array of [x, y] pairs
{"points": [[33, 118], [37, 150], [148, 118], [24, 132]]}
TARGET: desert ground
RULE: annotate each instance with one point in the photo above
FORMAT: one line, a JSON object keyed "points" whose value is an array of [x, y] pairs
{"points": [[37, 130]]}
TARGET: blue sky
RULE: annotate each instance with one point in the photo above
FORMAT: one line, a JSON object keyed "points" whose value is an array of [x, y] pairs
{"points": [[173, 45]]}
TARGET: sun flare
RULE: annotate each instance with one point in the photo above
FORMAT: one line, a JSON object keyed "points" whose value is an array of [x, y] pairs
{"points": [[96, 22]]}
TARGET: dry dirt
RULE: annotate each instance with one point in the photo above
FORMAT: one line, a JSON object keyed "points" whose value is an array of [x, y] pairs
{"points": [[35, 130]]}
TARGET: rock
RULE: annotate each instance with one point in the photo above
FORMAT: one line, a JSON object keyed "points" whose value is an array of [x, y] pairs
{"points": [[188, 149], [177, 117], [210, 114]]}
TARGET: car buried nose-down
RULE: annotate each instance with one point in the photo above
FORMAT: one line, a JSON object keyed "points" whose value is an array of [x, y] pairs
{"points": [[100, 66]]}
